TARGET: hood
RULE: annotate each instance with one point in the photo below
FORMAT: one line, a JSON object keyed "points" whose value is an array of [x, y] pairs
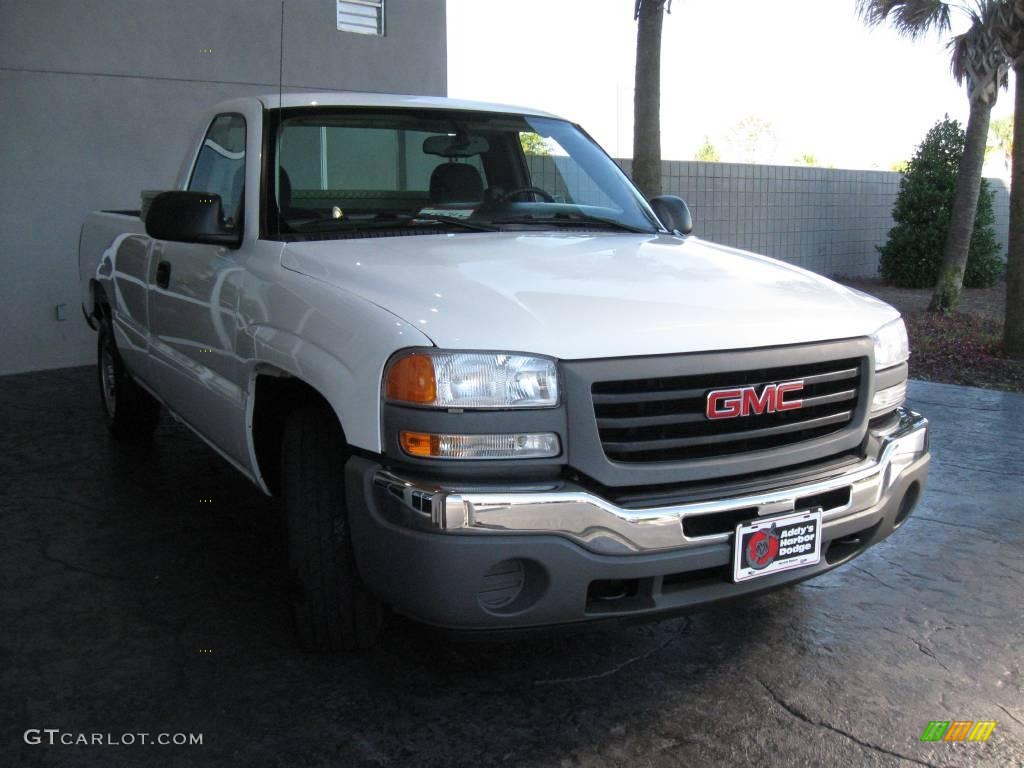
{"points": [[590, 295]]}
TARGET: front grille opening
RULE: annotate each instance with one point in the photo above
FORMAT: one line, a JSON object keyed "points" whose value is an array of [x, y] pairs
{"points": [[677, 582], [664, 419], [835, 499], [716, 380], [736, 446], [719, 522], [664, 494]]}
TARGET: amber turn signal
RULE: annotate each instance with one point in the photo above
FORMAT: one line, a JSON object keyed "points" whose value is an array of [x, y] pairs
{"points": [[411, 380], [531, 445], [421, 444]]}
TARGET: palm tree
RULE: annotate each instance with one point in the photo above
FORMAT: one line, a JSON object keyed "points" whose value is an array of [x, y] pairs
{"points": [[649, 15], [1011, 34], [977, 60]]}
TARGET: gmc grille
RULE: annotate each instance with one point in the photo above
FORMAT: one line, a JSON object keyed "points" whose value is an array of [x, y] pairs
{"points": [[664, 419]]}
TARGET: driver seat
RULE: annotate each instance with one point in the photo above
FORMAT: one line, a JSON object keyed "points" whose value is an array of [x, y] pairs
{"points": [[456, 183]]}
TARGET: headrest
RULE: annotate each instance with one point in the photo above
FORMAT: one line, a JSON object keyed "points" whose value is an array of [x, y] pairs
{"points": [[456, 183]]}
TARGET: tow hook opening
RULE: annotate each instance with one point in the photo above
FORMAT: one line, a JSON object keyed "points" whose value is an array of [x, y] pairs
{"points": [[613, 595], [612, 589], [847, 546]]}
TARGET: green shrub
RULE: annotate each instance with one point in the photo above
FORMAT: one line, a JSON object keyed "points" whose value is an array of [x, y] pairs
{"points": [[984, 261], [913, 253]]}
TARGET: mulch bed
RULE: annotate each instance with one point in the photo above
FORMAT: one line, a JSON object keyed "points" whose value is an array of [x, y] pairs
{"points": [[964, 347]]}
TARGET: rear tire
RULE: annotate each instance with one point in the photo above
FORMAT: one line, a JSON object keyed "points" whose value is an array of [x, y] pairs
{"points": [[333, 609], [130, 412]]}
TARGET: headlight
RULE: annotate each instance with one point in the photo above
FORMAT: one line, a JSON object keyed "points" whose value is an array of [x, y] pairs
{"points": [[472, 380], [889, 399], [891, 345]]}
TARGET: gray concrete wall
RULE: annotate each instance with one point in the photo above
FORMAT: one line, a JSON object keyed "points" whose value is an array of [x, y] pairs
{"points": [[826, 220], [1001, 204], [100, 98]]}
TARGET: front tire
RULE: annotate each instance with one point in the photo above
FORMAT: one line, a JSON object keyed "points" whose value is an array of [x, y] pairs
{"points": [[333, 609], [130, 412]]}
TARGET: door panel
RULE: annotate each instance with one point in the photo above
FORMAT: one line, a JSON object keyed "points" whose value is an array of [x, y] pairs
{"points": [[193, 294], [192, 342]]}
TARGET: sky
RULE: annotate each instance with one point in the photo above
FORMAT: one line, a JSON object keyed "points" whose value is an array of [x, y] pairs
{"points": [[828, 86]]}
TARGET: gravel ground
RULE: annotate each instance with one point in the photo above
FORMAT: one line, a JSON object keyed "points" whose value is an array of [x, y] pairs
{"points": [[964, 347]]}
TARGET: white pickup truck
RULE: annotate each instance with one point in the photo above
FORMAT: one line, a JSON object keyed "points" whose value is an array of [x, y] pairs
{"points": [[495, 386]]}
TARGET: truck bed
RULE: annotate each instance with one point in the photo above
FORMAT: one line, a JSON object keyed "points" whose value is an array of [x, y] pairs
{"points": [[102, 231]]}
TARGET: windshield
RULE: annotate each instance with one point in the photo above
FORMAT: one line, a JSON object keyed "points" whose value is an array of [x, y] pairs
{"points": [[356, 172]]}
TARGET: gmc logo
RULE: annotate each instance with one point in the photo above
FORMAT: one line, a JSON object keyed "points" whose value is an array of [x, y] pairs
{"points": [[745, 401]]}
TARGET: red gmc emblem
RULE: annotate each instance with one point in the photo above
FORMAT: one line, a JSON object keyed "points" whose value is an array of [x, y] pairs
{"points": [[745, 401]]}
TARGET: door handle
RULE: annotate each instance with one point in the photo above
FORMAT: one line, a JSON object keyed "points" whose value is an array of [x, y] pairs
{"points": [[163, 274]]}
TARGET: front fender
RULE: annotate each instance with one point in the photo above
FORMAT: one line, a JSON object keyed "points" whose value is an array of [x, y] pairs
{"points": [[351, 388], [329, 338]]}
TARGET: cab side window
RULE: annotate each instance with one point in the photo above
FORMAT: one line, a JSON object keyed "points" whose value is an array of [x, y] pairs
{"points": [[220, 166]]}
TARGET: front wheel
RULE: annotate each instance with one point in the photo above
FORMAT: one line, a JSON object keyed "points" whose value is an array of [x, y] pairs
{"points": [[129, 411], [333, 609]]}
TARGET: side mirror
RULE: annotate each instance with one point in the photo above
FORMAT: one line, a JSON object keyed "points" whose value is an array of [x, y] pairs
{"points": [[190, 217], [673, 213]]}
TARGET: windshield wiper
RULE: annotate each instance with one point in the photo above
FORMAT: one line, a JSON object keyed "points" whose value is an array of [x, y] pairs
{"points": [[390, 221], [572, 220], [454, 220]]}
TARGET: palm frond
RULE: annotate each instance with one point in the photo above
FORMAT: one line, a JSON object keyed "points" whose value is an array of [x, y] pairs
{"points": [[910, 18], [977, 55]]}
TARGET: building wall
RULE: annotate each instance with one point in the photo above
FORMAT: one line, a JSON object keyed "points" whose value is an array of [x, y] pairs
{"points": [[1001, 204], [100, 98]]}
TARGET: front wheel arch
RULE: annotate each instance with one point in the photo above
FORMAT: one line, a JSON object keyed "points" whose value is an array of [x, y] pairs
{"points": [[275, 395]]}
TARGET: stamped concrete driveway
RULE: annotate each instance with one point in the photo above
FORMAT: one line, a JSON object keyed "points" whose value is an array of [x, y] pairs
{"points": [[131, 605]]}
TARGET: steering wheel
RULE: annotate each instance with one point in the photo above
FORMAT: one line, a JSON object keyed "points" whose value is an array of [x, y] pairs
{"points": [[525, 190]]}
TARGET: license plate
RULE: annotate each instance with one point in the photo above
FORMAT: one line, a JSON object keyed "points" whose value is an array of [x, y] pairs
{"points": [[774, 544]]}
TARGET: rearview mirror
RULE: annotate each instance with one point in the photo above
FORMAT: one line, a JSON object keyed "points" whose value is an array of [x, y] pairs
{"points": [[190, 217], [458, 145], [673, 213]]}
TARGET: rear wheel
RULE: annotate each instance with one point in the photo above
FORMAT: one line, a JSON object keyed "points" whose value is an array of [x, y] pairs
{"points": [[333, 609], [129, 411]]}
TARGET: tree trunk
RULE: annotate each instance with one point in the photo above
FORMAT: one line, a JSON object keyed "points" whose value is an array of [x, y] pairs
{"points": [[647, 100], [1013, 334], [965, 208]]}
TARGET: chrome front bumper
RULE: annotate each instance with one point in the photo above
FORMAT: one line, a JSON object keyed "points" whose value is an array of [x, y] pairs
{"points": [[605, 528]]}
